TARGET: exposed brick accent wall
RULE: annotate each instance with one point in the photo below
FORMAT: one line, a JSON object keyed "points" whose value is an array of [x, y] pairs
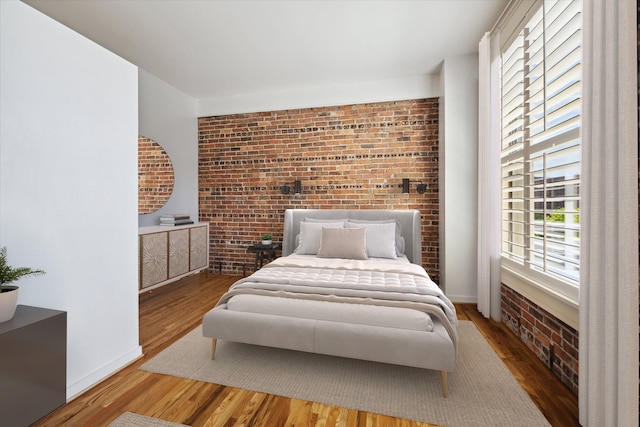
{"points": [[347, 157], [155, 176], [553, 341]]}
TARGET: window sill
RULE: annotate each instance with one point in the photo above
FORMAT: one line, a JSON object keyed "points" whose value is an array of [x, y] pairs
{"points": [[558, 305]]}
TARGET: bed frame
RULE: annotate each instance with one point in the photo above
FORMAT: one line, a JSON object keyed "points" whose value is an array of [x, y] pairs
{"points": [[428, 350]]}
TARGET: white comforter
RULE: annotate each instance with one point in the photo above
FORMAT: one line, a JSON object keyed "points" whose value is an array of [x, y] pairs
{"points": [[393, 283]]}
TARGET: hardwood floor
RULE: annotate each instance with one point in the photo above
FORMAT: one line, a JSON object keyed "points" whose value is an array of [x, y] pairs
{"points": [[168, 313]]}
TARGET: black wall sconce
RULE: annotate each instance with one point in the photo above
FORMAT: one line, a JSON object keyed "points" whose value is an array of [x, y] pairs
{"points": [[420, 188], [297, 188]]}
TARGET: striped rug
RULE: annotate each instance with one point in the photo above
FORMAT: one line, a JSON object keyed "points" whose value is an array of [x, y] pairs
{"points": [[129, 419]]}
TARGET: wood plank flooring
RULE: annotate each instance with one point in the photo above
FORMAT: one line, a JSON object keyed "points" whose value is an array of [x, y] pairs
{"points": [[170, 312]]}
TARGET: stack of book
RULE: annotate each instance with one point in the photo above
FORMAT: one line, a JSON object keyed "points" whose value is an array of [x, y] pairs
{"points": [[175, 219]]}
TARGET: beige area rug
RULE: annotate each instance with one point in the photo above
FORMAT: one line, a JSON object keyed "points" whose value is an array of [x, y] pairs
{"points": [[129, 419], [482, 391]]}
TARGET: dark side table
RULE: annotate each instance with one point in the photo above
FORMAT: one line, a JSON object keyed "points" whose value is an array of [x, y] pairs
{"points": [[263, 253], [33, 372]]}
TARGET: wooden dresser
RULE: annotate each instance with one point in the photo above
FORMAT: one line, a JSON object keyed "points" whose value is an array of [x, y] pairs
{"points": [[169, 253]]}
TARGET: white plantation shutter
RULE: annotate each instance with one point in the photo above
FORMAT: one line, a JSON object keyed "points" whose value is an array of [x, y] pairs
{"points": [[541, 107], [513, 214]]}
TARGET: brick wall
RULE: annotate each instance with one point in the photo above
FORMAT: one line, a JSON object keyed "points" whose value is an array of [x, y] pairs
{"points": [[553, 341], [155, 176], [347, 157]]}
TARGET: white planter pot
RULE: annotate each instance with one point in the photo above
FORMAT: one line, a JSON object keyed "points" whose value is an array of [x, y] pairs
{"points": [[266, 242], [8, 303]]}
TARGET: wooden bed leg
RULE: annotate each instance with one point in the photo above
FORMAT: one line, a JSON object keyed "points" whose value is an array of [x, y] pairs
{"points": [[445, 389], [213, 348]]}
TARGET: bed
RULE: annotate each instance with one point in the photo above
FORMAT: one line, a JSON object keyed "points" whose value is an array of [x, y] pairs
{"points": [[349, 283]]}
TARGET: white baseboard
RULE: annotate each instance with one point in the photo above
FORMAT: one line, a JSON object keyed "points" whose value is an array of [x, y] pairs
{"points": [[463, 299], [82, 385]]}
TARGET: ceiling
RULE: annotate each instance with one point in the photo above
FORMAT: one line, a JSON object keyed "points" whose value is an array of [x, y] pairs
{"points": [[210, 49]]}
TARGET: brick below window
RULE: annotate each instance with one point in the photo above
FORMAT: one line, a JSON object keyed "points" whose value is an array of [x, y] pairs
{"points": [[551, 340]]}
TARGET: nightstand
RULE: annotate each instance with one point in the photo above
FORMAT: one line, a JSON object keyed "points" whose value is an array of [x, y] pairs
{"points": [[263, 252]]}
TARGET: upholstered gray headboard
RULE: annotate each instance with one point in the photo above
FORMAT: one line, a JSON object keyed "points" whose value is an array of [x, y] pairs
{"points": [[409, 221]]}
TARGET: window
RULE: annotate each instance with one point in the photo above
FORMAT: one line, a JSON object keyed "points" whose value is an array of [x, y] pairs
{"points": [[540, 152]]}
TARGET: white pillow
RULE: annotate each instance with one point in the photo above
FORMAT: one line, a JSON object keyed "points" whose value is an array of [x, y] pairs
{"points": [[310, 233], [400, 248], [346, 243], [380, 239]]}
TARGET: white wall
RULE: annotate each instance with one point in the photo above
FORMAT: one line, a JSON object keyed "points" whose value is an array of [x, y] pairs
{"points": [[68, 185], [168, 116], [458, 171], [415, 87]]}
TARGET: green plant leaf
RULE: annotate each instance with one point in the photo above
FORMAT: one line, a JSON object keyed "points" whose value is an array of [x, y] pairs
{"points": [[10, 274]]}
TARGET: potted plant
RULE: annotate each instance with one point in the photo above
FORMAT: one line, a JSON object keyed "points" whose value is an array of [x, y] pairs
{"points": [[266, 239], [9, 293]]}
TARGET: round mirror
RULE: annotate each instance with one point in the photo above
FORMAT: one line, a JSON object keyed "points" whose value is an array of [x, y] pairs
{"points": [[155, 176]]}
